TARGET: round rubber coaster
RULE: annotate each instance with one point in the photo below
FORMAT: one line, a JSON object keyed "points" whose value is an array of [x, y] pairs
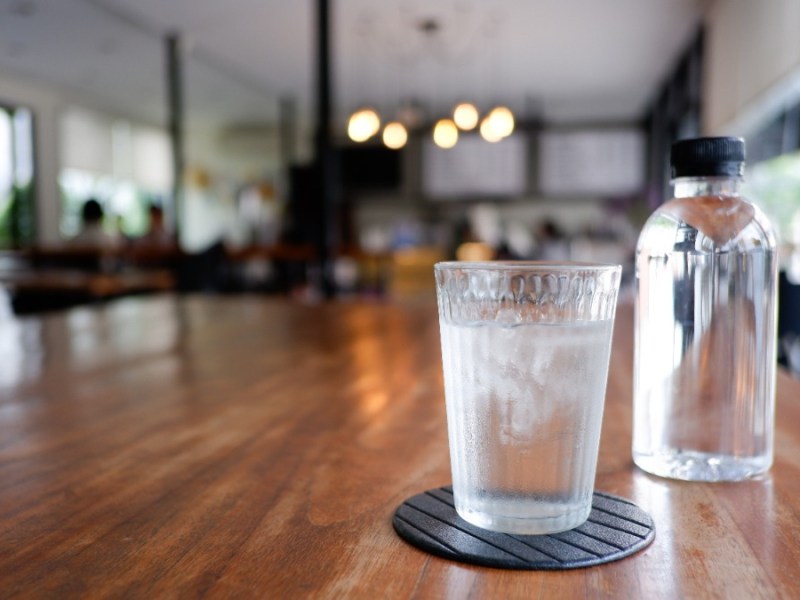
{"points": [[616, 528]]}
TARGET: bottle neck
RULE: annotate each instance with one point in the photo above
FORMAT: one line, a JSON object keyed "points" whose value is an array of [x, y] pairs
{"points": [[686, 187]]}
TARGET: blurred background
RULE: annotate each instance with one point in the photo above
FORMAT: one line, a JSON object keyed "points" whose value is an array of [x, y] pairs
{"points": [[338, 148]]}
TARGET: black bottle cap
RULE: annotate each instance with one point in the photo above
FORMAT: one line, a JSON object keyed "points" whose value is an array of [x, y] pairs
{"points": [[708, 157]]}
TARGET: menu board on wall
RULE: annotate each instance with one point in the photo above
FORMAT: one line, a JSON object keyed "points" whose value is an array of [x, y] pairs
{"points": [[475, 168], [601, 162]]}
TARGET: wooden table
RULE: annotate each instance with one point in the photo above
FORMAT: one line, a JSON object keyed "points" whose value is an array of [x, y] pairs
{"points": [[248, 447]]}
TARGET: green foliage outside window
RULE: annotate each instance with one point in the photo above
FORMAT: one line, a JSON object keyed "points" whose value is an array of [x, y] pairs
{"points": [[17, 187], [775, 186]]}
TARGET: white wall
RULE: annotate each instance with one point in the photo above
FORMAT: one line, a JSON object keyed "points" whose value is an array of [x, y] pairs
{"points": [[234, 155], [752, 63]]}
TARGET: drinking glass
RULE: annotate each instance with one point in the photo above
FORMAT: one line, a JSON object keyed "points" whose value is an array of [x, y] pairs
{"points": [[525, 353]]}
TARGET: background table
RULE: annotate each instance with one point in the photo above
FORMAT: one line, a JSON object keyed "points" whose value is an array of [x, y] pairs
{"points": [[246, 447]]}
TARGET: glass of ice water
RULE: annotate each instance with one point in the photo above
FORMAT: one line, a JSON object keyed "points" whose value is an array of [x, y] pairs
{"points": [[525, 352]]}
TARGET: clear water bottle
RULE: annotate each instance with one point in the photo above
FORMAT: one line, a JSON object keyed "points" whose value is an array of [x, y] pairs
{"points": [[706, 310]]}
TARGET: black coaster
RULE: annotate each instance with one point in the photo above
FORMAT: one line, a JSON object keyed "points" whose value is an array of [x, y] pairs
{"points": [[616, 528]]}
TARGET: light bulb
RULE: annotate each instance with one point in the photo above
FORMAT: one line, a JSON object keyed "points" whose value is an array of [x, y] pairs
{"points": [[502, 121], [445, 133], [465, 116], [358, 128], [363, 124], [395, 135], [488, 131], [373, 120]]}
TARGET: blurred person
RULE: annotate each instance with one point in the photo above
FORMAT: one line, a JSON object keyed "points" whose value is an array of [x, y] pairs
{"points": [[407, 234], [462, 234], [92, 233], [157, 234], [467, 245], [204, 223], [553, 244], [203, 219], [97, 246], [486, 224], [259, 217], [520, 241]]}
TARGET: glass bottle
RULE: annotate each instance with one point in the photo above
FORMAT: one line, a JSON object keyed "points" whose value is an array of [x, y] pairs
{"points": [[705, 324]]}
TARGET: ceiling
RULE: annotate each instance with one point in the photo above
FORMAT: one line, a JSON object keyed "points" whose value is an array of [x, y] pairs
{"points": [[561, 60]]}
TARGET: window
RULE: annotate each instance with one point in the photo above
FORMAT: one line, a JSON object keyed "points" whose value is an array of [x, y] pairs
{"points": [[123, 166], [17, 187], [775, 186]]}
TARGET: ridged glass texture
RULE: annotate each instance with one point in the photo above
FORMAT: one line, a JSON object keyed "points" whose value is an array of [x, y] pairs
{"points": [[525, 350], [515, 293]]}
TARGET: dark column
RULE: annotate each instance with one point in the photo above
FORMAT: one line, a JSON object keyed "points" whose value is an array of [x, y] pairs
{"points": [[288, 130], [175, 118], [326, 165]]}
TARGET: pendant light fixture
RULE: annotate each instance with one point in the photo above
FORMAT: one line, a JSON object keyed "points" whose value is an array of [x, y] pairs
{"points": [[395, 135], [465, 116], [445, 133], [445, 45], [502, 120], [498, 124], [363, 124], [488, 131]]}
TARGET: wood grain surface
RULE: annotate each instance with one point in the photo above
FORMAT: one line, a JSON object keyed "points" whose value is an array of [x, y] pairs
{"points": [[256, 448]]}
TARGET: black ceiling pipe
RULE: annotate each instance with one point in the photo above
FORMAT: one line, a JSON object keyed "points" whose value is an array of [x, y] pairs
{"points": [[175, 118]]}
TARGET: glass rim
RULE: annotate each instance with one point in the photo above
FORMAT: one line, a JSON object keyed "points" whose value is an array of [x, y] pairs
{"points": [[526, 265]]}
